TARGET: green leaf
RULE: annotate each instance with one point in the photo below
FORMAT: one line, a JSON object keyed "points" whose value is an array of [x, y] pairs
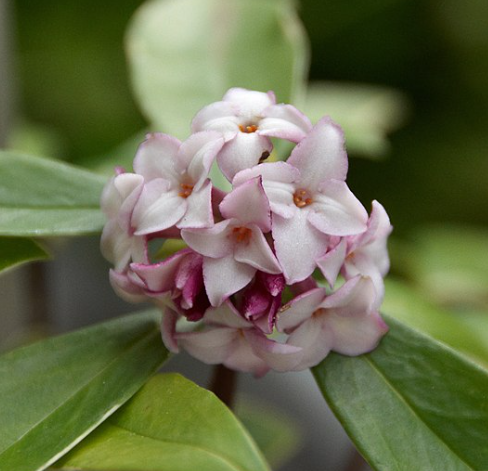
{"points": [[57, 391], [41, 197], [185, 54], [367, 113], [411, 404], [16, 251], [462, 331], [275, 433], [170, 425]]}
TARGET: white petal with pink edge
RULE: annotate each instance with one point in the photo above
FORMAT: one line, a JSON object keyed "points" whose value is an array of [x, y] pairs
{"points": [[199, 208], [285, 122], [298, 244], [249, 204], [224, 277], [257, 253], [299, 309], [213, 242], [243, 151], [156, 157], [336, 211], [321, 155]]}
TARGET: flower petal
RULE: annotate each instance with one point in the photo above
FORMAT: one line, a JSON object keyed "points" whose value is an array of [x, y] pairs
{"points": [[280, 357], [336, 211], [284, 122], [277, 180], [241, 152], [315, 340], [212, 345], [321, 155], [299, 309], [196, 155], [354, 298], [126, 288], [360, 263], [373, 243], [224, 277], [156, 157], [211, 241], [160, 277], [199, 208], [189, 278], [298, 244], [331, 263], [249, 204], [220, 116], [250, 103], [168, 330], [356, 335], [158, 208], [226, 315], [243, 358], [257, 253]]}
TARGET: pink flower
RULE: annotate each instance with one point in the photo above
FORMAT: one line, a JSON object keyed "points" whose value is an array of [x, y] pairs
{"points": [[118, 243], [260, 301], [247, 247], [176, 282], [235, 248], [365, 254], [229, 339], [309, 199], [176, 190], [247, 119], [346, 322]]}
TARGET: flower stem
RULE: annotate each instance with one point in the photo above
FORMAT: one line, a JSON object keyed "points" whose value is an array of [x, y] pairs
{"points": [[223, 384]]}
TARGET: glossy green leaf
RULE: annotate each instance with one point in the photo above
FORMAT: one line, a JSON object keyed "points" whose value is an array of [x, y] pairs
{"points": [[41, 197], [55, 392], [170, 425], [16, 251], [367, 113], [411, 404], [185, 54], [466, 332]]}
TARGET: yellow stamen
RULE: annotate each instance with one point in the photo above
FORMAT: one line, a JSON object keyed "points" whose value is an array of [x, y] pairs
{"points": [[248, 129], [302, 198], [241, 234], [186, 190]]}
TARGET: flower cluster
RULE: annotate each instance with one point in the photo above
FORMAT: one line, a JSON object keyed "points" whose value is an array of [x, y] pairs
{"points": [[241, 291]]}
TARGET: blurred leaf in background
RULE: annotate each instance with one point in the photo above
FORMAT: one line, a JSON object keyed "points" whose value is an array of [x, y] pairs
{"points": [[185, 54], [73, 77], [447, 263], [367, 113], [16, 251]]}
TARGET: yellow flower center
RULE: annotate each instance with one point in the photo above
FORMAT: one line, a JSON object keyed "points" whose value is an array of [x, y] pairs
{"points": [[241, 234], [302, 198], [248, 129], [185, 190]]}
